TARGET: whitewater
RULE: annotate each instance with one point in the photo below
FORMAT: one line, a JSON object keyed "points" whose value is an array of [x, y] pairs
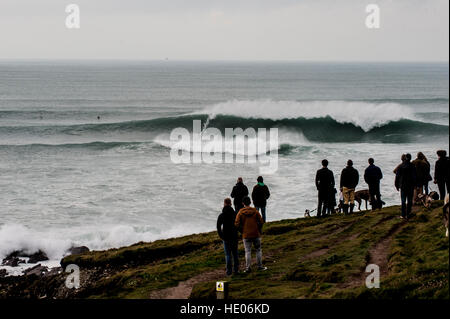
{"points": [[85, 160]]}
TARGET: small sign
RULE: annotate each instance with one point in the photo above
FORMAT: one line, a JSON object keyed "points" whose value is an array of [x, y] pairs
{"points": [[220, 286]]}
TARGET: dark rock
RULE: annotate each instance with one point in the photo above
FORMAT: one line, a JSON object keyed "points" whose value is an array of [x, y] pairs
{"points": [[78, 250], [37, 270], [3, 273], [12, 259], [33, 258], [12, 262], [15, 254], [37, 257], [53, 271]]}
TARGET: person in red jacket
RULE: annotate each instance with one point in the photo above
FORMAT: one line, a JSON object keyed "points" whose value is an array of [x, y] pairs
{"points": [[250, 223]]}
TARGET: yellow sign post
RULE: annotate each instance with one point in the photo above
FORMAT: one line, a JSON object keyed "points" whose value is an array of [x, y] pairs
{"points": [[222, 290]]}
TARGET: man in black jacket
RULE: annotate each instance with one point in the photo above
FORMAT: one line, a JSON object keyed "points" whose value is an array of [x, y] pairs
{"points": [[260, 195], [325, 186], [372, 176], [349, 180], [441, 173], [238, 193], [405, 182], [228, 233]]}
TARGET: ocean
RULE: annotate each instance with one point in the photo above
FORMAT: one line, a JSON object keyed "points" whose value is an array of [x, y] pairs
{"points": [[85, 145]]}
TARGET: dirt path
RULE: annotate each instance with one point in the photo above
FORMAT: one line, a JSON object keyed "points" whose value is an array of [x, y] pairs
{"points": [[378, 255], [184, 288], [335, 231], [314, 254], [324, 250]]}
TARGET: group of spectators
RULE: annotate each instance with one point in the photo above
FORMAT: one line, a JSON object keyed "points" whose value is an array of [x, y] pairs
{"points": [[325, 185], [246, 219], [411, 179]]}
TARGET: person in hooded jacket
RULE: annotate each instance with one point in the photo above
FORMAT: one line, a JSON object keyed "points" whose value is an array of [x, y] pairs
{"points": [[349, 180], [403, 159], [422, 174], [238, 193], [229, 234], [250, 223], [260, 195]]}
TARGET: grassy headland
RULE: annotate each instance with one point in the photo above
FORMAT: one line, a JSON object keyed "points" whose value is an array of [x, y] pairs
{"points": [[306, 258]]}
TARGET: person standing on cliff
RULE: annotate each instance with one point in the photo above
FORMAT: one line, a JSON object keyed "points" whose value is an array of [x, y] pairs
{"points": [[260, 195], [423, 175], [441, 173], [349, 180], [250, 223], [228, 233], [405, 182], [238, 193], [325, 186], [373, 176]]}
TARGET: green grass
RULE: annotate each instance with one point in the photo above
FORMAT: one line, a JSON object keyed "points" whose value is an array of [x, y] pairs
{"points": [[306, 258]]}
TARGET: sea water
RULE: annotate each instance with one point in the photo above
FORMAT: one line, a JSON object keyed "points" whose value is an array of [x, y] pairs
{"points": [[85, 148]]}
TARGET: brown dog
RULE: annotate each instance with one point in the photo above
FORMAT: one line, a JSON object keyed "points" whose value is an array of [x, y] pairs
{"points": [[362, 195]]}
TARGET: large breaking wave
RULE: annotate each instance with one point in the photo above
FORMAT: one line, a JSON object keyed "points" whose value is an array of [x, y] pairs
{"points": [[317, 121]]}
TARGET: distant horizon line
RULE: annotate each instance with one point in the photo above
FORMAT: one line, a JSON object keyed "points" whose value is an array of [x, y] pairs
{"points": [[217, 60]]}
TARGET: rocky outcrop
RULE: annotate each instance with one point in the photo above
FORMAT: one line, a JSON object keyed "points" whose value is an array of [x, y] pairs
{"points": [[37, 270], [78, 250], [37, 257], [13, 259]]}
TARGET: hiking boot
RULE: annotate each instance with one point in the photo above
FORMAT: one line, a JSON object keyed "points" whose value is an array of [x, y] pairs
{"points": [[345, 208], [247, 270], [262, 268]]}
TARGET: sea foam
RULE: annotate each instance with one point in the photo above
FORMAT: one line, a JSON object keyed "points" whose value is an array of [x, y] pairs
{"points": [[366, 115]]}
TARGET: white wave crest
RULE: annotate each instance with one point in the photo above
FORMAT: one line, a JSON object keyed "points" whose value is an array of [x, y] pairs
{"points": [[15, 237], [56, 242], [237, 147], [366, 115]]}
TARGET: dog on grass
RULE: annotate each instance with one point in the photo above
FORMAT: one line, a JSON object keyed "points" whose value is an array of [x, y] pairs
{"points": [[307, 213], [426, 200], [362, 195]]}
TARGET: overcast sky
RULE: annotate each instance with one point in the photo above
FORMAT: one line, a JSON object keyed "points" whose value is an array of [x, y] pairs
{"points": [[304, 30]]}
